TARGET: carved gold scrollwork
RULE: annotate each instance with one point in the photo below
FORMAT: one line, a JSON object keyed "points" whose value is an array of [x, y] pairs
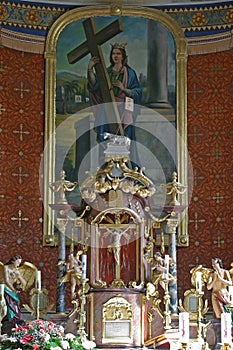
{"points": [[152, 294], [117, 283], [117, 314], [191, 303], [41, 307], [117, 308]]}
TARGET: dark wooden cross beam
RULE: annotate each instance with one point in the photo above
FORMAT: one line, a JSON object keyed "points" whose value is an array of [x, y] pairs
{"points": [[93, 46]]}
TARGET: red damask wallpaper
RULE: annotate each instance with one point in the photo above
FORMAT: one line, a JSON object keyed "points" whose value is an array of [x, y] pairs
{"points": [[21, 123], [210, 116], [210, 146]]}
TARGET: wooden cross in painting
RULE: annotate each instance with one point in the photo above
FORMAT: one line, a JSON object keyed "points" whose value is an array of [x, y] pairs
{"points": [[93, 46]]}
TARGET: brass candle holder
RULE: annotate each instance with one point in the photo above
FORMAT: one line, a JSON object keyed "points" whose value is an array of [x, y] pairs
{"points": [[201, 329], [39, 303], [82, 314], [199, 315], [38, 292]]}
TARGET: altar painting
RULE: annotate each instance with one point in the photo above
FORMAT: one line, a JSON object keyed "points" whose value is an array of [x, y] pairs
{"points": [[72, 95]]}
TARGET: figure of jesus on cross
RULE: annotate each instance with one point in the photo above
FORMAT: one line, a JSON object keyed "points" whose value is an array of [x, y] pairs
{"points": [[115, 92], [115, 246]]}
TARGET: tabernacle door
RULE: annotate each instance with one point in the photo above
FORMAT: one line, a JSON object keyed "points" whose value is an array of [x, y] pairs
{"points": [[117, 255]]}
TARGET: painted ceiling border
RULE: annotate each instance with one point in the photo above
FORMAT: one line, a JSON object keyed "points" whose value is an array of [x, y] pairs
{"points": [[24, 26]]}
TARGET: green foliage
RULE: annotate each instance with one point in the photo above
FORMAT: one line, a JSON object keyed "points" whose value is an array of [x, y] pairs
{"points": [[42, 335]]}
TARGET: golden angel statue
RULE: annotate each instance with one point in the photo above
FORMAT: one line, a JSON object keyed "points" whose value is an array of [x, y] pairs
{"points": [[15, 275], [160, 271], [73, 272]]}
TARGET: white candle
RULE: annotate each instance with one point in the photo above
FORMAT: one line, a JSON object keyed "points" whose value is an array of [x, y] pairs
{"points": [[184, 327], [38, 280], [2, 290], [84, 266], [199, 282], [166, 266], [226, 328]]}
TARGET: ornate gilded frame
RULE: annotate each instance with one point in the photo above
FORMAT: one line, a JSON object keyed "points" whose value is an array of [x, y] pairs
{"points": [[50, 110], [117, 312], [193, 304]]}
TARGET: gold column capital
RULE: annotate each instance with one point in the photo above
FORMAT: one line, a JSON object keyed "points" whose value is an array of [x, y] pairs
{"points": [[172, 225]]}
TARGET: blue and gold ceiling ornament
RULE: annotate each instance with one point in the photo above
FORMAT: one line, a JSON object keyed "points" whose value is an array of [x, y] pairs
{"points": [[195, 20]]}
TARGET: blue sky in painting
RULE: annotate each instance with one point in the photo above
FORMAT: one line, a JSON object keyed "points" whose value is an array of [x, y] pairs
{"points": [[134, 33]]}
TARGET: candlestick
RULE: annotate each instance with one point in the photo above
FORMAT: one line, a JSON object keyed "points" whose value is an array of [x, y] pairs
{"points": [[184, 327], [199, 281], [84, 266], [38, 280], [226, 328]]}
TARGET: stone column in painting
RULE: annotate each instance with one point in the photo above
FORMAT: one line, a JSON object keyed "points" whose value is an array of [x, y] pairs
{"points": [[83, 145], [157, 70]]}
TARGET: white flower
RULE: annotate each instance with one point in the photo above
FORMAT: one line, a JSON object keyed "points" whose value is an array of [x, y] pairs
{"points": [[12, 339], [65, 345], [69, 336], [88, 344], [46, 336], [4, 337], [56, 348], [61, 329]]}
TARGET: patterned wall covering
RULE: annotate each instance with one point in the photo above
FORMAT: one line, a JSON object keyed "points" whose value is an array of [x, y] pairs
{"points": [[21, 132], [210, 136], [210, 115]]}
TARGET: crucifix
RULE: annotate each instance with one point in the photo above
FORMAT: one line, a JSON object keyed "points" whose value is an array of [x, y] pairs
{"points": [[115, 246], [92, 45]]}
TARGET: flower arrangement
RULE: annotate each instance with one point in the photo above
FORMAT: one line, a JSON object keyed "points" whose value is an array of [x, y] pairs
{"points": [[42, 335]]}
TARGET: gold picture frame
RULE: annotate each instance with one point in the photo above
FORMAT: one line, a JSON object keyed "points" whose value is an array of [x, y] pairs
{"points": [[193, 303], [113, 10]]}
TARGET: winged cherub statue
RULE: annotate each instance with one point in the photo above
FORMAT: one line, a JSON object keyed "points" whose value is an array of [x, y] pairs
{"points": [[15, 275]]}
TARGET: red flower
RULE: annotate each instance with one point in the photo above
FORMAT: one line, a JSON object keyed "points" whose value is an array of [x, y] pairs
{"points": [[50, 326], [27, 339], [35, 346], [22, 329]]}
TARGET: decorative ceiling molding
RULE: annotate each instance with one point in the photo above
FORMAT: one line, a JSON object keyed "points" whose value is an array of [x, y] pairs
{"points": [[127, 2], [192, 19], [195, 45], [210, 43], [207, 28], [22, 41]]}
